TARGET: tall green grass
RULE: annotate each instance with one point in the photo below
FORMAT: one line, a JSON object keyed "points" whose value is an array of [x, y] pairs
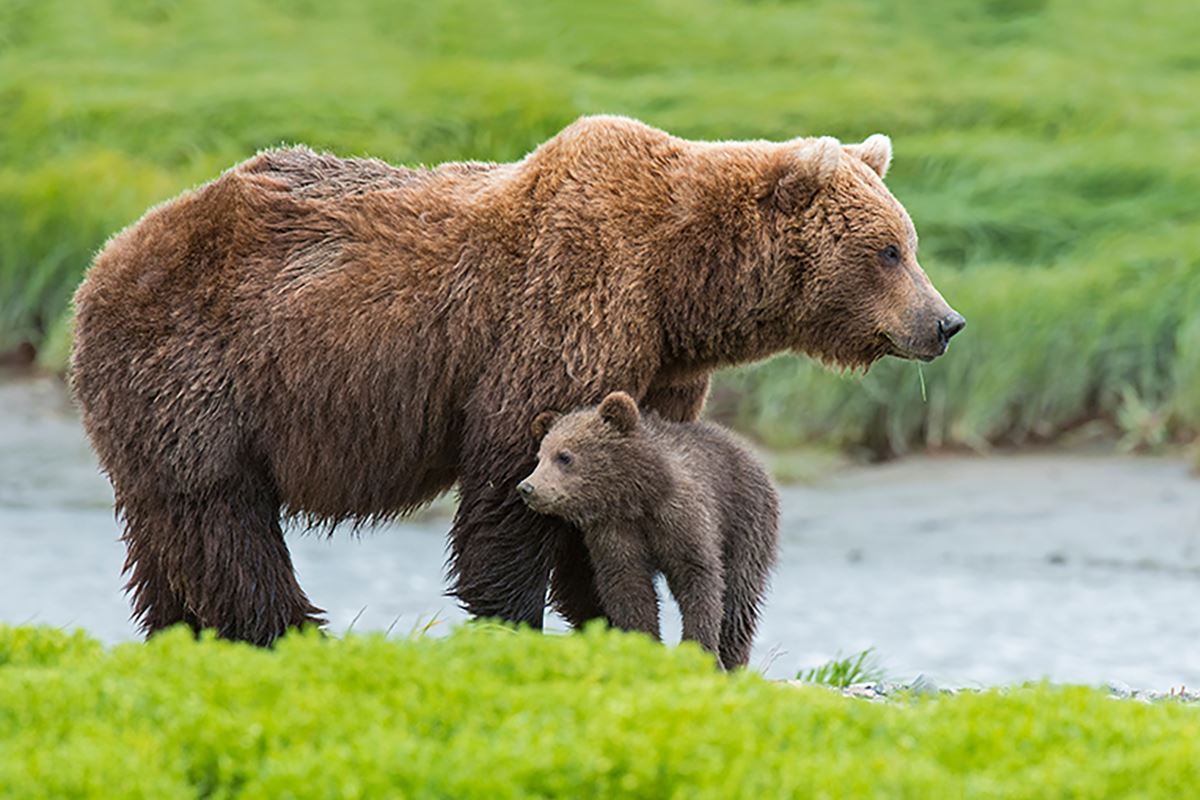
{"points": [[491, 713], [845, 671], [1048, 152]]}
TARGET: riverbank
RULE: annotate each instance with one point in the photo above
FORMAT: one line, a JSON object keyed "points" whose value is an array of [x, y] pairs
{"points": [[1077, 567]]}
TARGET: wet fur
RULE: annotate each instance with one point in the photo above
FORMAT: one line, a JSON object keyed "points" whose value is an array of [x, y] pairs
{"points": [[687, 499], [341, 339]]}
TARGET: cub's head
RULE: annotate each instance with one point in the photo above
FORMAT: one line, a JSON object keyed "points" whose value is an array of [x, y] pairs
{"points": [[845, 256], [592, 463]]}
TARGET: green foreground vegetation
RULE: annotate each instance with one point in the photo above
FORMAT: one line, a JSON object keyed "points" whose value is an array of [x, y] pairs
{"points": [[1047, 151], [489, 712]]}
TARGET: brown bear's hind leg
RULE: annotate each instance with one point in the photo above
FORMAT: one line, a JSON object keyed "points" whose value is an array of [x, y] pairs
{"points": [[221, 560], [155, 604]]}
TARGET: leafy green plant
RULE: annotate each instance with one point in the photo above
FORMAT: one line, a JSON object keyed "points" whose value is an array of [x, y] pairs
{"points": [[841, 672], [489, 712], [1143, 427]]}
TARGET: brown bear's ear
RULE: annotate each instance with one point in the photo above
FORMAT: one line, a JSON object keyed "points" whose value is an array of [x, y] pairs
{"points": [[620, 411], [542, 424], [875, 152], [803, 171]]}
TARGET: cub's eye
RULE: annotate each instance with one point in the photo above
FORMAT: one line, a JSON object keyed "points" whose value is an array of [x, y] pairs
{"points": [[564, 458], [890, 255]]}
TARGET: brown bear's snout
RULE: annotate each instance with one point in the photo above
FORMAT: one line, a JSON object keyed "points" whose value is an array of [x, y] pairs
{"points": [[949, 325], [525, 489], [929, 335]]}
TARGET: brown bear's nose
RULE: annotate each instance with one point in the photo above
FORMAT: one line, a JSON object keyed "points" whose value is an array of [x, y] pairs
{"points": [[525, 488], [952, 324]]}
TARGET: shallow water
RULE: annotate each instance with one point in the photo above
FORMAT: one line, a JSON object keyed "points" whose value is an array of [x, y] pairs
{"points": [[971, 571]]}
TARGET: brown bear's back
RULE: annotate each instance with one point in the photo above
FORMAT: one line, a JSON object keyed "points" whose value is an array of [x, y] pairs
{"points": [[321, 176]]}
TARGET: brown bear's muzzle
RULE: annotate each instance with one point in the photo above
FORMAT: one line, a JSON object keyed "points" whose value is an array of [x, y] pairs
{"points": [[932, 338], [949, 325], [924, 333]]}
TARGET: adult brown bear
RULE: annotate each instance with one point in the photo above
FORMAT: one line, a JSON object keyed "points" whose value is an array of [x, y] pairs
{"points": [[343, 339]]}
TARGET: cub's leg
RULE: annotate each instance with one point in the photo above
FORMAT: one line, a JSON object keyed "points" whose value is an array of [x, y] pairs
{"points": [[573, 592], [624, 570], [691, 561], [750, 549]]}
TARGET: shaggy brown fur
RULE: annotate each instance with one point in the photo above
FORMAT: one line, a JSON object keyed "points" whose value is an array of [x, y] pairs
{"points": [[344, 339], [683, 498]]}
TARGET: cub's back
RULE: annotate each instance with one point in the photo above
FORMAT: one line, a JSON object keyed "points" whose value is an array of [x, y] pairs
{"points": [[723, 465]]}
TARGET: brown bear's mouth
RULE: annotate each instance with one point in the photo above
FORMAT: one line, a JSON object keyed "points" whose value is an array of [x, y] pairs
{"points": [[899, 350]]}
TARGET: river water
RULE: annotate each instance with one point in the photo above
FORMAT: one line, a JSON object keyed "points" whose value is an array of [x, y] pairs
{"points": [[971, 571]]}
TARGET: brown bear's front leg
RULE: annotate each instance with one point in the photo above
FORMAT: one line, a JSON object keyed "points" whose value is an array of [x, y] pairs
{"points": [[625, 578], [677, 402], [500, 551]]}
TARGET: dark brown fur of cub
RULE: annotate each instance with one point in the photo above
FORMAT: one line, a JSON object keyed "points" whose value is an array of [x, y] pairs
{"points": [[686, 499]]}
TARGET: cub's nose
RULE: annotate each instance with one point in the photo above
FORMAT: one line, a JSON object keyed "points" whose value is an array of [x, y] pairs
{"points": [[525, 488], [950, 325]]}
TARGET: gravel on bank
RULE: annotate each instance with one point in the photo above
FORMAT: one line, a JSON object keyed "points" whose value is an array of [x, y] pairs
{"points": [[880, 691]]}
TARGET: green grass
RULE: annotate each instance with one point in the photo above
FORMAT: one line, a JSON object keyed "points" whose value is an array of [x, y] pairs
{"points": [[492, 713], [1047, 151], [845, 671]]}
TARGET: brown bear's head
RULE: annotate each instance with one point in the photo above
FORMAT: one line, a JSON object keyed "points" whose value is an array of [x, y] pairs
{"points": [[592, 464], [847, 252]]}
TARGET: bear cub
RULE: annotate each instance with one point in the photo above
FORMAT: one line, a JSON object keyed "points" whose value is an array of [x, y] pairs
{"points": [[686, 499]]}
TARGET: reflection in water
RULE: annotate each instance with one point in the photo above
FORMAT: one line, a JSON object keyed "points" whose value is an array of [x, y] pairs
{"points": [[971, 571]]}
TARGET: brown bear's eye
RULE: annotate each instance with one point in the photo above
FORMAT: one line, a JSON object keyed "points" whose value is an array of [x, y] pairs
{"points": [[564, 458], [890, 255]]}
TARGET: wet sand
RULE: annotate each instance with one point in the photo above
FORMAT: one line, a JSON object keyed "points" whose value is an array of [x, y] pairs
{"points": [[1080, 568]]}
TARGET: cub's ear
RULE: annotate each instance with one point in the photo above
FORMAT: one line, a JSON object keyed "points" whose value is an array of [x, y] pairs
{"points": [[875, 151], [620, 411], [542, 424], [800, 172]]}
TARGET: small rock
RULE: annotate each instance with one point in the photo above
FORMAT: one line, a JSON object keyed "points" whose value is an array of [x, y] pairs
{"points": [[1119, 689], [867, 691], [923, 686]]}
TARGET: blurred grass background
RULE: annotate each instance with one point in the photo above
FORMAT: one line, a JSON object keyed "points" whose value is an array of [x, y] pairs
{"points": [[1049, 153]]}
